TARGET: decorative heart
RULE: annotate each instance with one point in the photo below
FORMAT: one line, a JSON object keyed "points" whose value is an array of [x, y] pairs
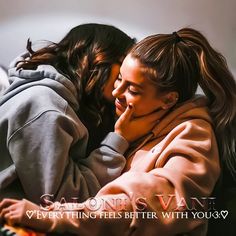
{"points": [[30, 214], [224, 213]]}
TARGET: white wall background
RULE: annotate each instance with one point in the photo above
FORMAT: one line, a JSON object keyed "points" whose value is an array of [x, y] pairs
{"points": [[52, 19]]}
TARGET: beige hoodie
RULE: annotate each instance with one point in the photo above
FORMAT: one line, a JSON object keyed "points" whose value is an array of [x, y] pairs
{"points": [[176, 162]]}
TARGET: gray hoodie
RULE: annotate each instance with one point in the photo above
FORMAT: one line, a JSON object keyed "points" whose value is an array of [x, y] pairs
{"points": [[43, 142], [4, 83]]}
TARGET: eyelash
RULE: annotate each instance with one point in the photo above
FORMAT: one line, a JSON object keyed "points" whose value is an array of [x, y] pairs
{"points": [[119, 79], [132, 92]]}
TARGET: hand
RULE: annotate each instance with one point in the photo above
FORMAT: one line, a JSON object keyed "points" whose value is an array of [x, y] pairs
{"points": [[14, 211], [3, 205], [133, 128]]}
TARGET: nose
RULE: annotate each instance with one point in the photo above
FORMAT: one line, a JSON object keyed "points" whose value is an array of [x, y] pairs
{"points": [[118, 91]]}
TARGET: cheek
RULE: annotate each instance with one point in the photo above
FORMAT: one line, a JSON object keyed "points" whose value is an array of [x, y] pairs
{"points": [[144, 107], [107, 92], [138, 103], [110, 85], [109, 98]]}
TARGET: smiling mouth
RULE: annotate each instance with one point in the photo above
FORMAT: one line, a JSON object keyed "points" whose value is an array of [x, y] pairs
{"points": [[119, 106]]}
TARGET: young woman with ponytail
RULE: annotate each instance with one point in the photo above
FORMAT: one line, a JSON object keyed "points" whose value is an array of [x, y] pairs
{"points": [[180, 159]]}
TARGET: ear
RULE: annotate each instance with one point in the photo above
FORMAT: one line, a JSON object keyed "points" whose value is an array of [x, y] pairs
{"points": [[169, 100]]}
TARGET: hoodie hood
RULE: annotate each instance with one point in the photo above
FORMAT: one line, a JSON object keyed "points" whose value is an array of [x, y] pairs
{"points": [[44, 75], [195, 108]]}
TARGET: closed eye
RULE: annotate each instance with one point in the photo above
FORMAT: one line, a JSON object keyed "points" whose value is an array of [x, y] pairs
{"points": [[133, 91]]}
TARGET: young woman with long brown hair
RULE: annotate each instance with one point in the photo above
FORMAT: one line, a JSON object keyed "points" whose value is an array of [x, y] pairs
{"points": [[59, 96], [179, 159]]}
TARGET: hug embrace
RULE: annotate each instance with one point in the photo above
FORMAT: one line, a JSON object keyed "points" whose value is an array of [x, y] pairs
{"points": [[160, 145]]}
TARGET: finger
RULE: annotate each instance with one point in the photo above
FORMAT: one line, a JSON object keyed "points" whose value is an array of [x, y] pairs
{"points": [[4, 212], [8, 216], [11, 218], [7, 202], [127, 115]]}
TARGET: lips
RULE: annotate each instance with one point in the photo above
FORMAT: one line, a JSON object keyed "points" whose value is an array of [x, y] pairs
{"points": [[119, 105]]}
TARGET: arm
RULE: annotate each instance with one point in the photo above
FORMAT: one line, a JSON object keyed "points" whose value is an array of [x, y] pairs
{"points": [[187, 167], [40, 151], [107, 162]]}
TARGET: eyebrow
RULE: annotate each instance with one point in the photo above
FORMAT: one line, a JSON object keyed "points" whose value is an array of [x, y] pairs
{"points": [[132, 83]]}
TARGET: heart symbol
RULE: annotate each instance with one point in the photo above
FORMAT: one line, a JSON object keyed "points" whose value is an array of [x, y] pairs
{"points": [[224, 213], [29, 214]]}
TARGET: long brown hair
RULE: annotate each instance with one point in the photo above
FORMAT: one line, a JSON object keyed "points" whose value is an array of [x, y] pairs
{"points": [[85, 56], [183, 60]]}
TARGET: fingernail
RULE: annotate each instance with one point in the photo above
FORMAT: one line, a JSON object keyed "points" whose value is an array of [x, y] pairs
{"points": [[130, 106]]}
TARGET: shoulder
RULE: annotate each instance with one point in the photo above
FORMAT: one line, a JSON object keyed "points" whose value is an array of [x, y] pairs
{"points": [[193, 137], [28, 105], [194, 129], [195, 126], [35, 100]]}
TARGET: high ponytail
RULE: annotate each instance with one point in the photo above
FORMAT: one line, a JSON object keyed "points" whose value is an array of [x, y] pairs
{"points": [[219, 86], [183, 60]]}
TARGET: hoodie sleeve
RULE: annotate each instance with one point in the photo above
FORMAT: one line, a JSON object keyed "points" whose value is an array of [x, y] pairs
{"points": [[41, 150], [185, 164], [107, 162]]}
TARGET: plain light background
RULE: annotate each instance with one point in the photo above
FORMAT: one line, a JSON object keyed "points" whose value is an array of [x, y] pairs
{"points": [[52, 19]]}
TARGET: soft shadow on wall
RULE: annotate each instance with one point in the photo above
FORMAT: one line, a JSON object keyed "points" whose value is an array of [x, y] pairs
{"points": [[40, 20]]}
